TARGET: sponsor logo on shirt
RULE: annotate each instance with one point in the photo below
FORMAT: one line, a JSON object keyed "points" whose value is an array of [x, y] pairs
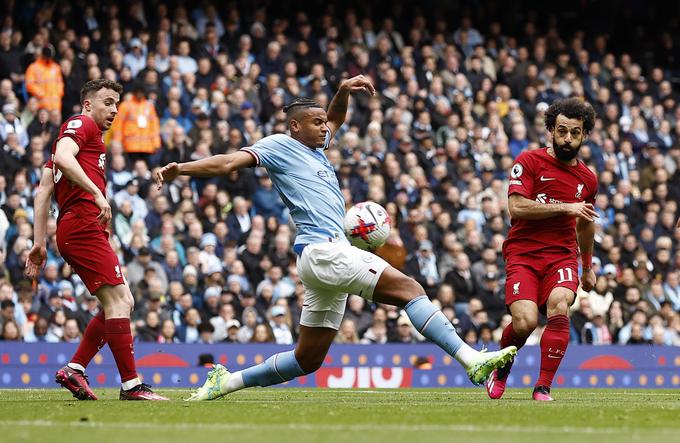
{"points": [[543, 198]]}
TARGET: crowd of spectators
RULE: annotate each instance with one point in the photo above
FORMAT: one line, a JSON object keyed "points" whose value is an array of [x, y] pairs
{"points": [[460, 94]]}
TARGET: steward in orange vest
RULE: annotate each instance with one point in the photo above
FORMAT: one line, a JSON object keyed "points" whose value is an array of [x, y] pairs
{"points": [[44, 81], [137, 127]]}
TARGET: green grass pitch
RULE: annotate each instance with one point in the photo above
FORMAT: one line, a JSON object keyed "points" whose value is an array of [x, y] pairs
{"points": [[325, 415]]}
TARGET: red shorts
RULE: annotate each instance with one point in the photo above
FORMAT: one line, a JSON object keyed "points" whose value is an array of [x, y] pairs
{"points": [[84, 244], [534, 279]]}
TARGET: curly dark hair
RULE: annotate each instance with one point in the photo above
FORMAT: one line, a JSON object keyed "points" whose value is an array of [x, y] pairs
{"points": [[571, 108], [93, 86]]}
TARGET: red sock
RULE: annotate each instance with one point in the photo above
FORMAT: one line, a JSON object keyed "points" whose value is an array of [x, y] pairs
{"points": [[510, 338], [93, 340], [120, 341], [553, 346]]}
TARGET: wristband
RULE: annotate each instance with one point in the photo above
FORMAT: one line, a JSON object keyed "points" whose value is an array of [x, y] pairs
{"points": [[587, 260]]}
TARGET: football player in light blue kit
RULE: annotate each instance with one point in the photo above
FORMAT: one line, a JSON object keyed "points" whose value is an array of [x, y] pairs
{"points": [[329, 267]]}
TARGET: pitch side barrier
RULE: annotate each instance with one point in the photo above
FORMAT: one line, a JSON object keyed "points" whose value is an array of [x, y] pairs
{"points": [[24, 365]]}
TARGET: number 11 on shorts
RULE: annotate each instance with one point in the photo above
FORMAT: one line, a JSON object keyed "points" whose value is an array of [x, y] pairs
{"points": [[569, 274]]}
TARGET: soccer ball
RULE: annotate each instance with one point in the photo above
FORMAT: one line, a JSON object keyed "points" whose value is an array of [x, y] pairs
{"points": [[367, 225]]}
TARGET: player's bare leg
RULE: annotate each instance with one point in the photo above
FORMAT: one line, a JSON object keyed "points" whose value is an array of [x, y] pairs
{"points": [[397, 289], [118, 304], [554, 340], [308, 356], [524, 320]]}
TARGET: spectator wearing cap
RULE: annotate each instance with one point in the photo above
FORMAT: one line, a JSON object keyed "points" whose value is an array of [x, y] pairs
{"points": [[404, 333], [423, 266], [246, 112], [232, 327], [222, 321], [54, 303], [280, 324], [66, 292], [135, 59], [210, 262], [12, 124], [492, 294], [131, 194], [190, 276], [44, 80], [137, 127], [211, 300]]}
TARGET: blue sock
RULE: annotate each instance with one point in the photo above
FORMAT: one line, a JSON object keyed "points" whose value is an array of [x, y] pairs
{"points": [[433, 324], [276, 369]]}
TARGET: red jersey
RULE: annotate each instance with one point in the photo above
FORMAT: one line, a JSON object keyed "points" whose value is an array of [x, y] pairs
{"points": [[91, 157], [538, 176]]}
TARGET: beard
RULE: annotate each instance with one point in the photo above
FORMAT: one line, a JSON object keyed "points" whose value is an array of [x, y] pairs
{"points": [[565, 152]]}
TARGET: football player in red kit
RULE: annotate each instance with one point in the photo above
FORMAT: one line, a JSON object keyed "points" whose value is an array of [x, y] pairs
{"points": [[76, 175], [550, 200]]}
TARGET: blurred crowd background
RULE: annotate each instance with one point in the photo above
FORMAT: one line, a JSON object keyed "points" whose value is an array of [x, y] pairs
{"points": [[462, 90]]}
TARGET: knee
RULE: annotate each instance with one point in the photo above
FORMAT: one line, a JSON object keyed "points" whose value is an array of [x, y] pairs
{"points": [[559, 303], [309, 363], [117, 301], [524, 324], [406, 289]]}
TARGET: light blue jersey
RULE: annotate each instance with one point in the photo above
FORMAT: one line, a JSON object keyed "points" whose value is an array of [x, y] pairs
{"points": [[306, 182]]}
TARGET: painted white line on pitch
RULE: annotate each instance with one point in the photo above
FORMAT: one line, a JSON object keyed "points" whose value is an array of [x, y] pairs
{"points": [[340, 427]]}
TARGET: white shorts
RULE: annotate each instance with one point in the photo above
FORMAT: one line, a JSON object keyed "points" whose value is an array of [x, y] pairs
{"points": [[329, 271]]}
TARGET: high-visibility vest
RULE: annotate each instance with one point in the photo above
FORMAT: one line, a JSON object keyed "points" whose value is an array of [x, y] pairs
{"points": [[45, 82], [137, 127]]}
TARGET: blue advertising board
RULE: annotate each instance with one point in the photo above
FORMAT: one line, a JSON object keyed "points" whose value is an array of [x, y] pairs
{"points": [[346, 366]]}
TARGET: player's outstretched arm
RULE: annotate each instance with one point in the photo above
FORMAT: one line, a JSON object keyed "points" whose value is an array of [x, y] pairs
{"points": [[214, 166], [38, 255], [337, 110], [65, 160], [585, 235], [521, 208]]}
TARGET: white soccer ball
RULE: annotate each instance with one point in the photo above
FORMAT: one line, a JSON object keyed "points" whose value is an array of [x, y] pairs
{"points": [[367, 225]]}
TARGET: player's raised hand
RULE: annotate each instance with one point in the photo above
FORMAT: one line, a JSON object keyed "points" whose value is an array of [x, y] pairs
{"points": [[104, 216], [588, 279], [583, 210], [166, 174], [359, 83], [36, 261]]}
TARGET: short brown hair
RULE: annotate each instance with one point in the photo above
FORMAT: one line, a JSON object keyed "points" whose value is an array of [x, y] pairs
{"points": [[95, 85]]}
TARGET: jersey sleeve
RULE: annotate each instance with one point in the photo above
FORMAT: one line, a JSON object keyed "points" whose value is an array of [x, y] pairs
{"points": [[269, 153], [522, 177], [79, 129]]}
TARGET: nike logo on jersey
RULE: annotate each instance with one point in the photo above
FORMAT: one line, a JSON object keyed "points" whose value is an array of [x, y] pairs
{"points": [[546, 179]]}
